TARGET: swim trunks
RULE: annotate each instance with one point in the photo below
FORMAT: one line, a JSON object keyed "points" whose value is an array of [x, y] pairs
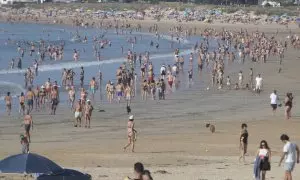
{"points": [[77, 114]]}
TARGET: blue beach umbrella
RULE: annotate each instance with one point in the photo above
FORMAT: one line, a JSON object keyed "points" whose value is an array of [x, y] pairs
{"points": [[29, 164]]}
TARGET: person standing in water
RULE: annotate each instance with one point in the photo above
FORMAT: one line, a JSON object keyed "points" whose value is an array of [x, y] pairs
{"points": [[93, 87], [8, 102], [78, 114], [54, 99], [81, 77], [22, 103], [72, 96], [29, 98], [131, 134], [88, 113]]}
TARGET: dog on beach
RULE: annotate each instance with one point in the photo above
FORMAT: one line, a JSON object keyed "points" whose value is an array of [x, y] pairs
{"points": [[211, 127], [128, 109]]}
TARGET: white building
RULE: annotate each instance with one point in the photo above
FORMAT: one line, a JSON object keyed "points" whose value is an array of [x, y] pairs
{"points": [[6, 1]]}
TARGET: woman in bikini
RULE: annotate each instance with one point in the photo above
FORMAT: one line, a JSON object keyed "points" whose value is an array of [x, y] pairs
{"points": [[22, 103], [288, 101], [144, 90], [131, 134], [170, 80]]}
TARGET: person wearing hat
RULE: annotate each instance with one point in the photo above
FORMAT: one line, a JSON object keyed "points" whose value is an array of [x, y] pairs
{"points": [[131, 133], [88, 113], [42, 95]]}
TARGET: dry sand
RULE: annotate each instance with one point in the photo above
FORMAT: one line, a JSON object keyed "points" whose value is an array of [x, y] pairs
{"points": [[173, 142]]}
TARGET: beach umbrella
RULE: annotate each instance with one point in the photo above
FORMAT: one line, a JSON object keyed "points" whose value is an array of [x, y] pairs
{"points": [[29, 164], [68, 174]]}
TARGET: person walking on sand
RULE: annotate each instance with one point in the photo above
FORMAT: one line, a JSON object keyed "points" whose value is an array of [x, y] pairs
{"points": [[25, 144], [274, 99], [131, 134], [241, 79], [258, 85], [28, 123], [263, 159], [8, 102], [251, 78], [54, 99], [243, 142], [291, 156], [288, 102]]}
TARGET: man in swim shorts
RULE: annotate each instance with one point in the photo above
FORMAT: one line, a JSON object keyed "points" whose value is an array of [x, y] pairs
{"points": [[30, 97], [28, 123], [78, 114], [93, 86]]}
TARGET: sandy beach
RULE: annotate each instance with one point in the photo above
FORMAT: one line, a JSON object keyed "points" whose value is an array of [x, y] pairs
{"points": [[173, 142]]}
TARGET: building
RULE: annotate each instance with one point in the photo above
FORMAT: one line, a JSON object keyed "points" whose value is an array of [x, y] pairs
{"points": [[8, 2]]}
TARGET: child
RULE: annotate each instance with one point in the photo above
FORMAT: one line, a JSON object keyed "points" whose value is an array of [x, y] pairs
{"points": [[25, 144]]}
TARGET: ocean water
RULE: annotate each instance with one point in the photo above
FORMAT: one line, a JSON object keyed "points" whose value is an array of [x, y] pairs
{"points": [[12, 35]]}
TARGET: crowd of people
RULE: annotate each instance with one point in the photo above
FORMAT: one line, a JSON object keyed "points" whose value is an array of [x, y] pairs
{"points": [[137, 75]]}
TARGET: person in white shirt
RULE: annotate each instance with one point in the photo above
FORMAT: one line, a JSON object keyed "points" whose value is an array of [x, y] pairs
{"points": [[241, 79], [290, 154], [258, 86], [174, 69], [274, 99], [163, 71]]}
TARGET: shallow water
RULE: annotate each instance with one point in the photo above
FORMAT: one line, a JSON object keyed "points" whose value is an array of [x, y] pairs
{"points": [[111, 57], [13, 35]]}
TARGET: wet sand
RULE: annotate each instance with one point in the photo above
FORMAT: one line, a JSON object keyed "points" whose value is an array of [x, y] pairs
{"points": [[173, 142]]}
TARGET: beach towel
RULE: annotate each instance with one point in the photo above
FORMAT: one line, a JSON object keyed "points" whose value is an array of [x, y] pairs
{"points": [[257, 163]]}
